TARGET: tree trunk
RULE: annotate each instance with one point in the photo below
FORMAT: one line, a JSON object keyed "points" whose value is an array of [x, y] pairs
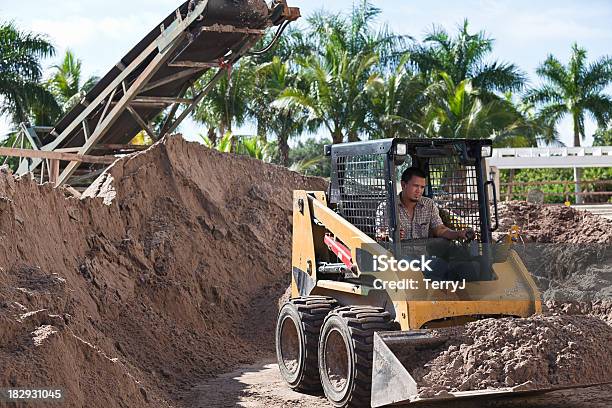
{"points": [[283, 147], [212, 136], [261, 129], [577, 171], [353, 137], [337, 136], [576, 138]]}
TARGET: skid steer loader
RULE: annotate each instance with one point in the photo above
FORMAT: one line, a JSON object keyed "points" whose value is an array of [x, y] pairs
{"points": [[350, 327]]}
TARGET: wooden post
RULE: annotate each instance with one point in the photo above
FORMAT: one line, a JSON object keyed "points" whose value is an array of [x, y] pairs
{"points": [[54, 171], [509, 195], [578, 186]]}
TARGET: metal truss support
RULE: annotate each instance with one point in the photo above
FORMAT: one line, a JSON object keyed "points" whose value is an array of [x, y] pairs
{"points": [[152, 78], [163, 46]]}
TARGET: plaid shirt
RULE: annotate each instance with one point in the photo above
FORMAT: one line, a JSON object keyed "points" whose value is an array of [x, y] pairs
{"points": [[426, 218]]}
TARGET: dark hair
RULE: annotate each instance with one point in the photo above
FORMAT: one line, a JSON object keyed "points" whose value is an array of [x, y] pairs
{"points": [[411, 172]]}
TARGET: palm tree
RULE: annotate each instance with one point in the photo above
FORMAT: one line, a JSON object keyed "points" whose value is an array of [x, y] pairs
{"points": [[460, 111], [273, 78], [395, 104], [21, 90], [356, 34], [346, 52], [577, 90], [226, 104], [65, 82], [464, 57], [336, 93]]}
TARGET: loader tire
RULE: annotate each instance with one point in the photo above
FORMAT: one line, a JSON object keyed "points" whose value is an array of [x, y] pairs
{"points": [[297, 340], [346, 353]]}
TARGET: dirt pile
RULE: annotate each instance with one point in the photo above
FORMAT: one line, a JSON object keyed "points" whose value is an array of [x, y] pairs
{"points": [[555, 224], [538, 352], [153, 283], [601, 308], [568, 251]]}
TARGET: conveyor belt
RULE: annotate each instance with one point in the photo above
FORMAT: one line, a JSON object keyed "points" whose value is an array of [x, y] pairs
{"points": [[155, 75]]}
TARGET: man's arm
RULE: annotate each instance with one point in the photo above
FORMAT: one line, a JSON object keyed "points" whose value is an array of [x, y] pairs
{"points": [[440, 230]]}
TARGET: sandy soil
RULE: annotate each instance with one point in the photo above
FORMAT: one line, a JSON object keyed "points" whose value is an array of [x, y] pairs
{"points": [[167, 274]]}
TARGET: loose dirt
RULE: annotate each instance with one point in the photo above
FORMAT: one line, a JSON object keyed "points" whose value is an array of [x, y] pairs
{"points": [[555, 224], [535, 353], [568, 251], [168, 274], [260, 386]]}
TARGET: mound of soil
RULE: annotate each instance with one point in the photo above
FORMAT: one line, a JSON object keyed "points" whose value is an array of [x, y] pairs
{"points": [[534, 353], [568, 251], [555, 224], [169, 272]]}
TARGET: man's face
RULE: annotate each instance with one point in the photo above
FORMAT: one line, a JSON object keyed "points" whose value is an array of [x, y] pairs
{"points": [[413, 189]]}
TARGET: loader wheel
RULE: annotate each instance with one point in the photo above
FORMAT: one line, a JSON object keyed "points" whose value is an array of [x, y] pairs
{"points": [[297, 339], [346, 353]]}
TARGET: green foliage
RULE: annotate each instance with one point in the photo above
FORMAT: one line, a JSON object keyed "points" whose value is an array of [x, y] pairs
{"points": [[224, 144], [65, 82], [602, 137], [285, 122], [464, 57], [561, 193], [396, 101], [256, 147], [461, 111], [226, 105], [347, 52], [23, 96], [253, 146], [576, 90], [307, 157]]}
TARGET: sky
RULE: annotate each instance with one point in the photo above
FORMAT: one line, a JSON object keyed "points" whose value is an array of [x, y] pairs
{"points": [[101, 32]]}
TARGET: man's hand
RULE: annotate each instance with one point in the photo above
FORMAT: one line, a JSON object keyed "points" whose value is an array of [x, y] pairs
{"points": [[467, 234], [462, 234], [445, 232], [382, 234]]}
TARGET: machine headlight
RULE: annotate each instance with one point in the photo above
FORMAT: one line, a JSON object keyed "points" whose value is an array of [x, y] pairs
{"points": [[486, 151], [401, 149]]}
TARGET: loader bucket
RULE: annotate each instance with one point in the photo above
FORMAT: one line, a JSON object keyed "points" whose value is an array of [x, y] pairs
{"points": [[392, 383]]}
